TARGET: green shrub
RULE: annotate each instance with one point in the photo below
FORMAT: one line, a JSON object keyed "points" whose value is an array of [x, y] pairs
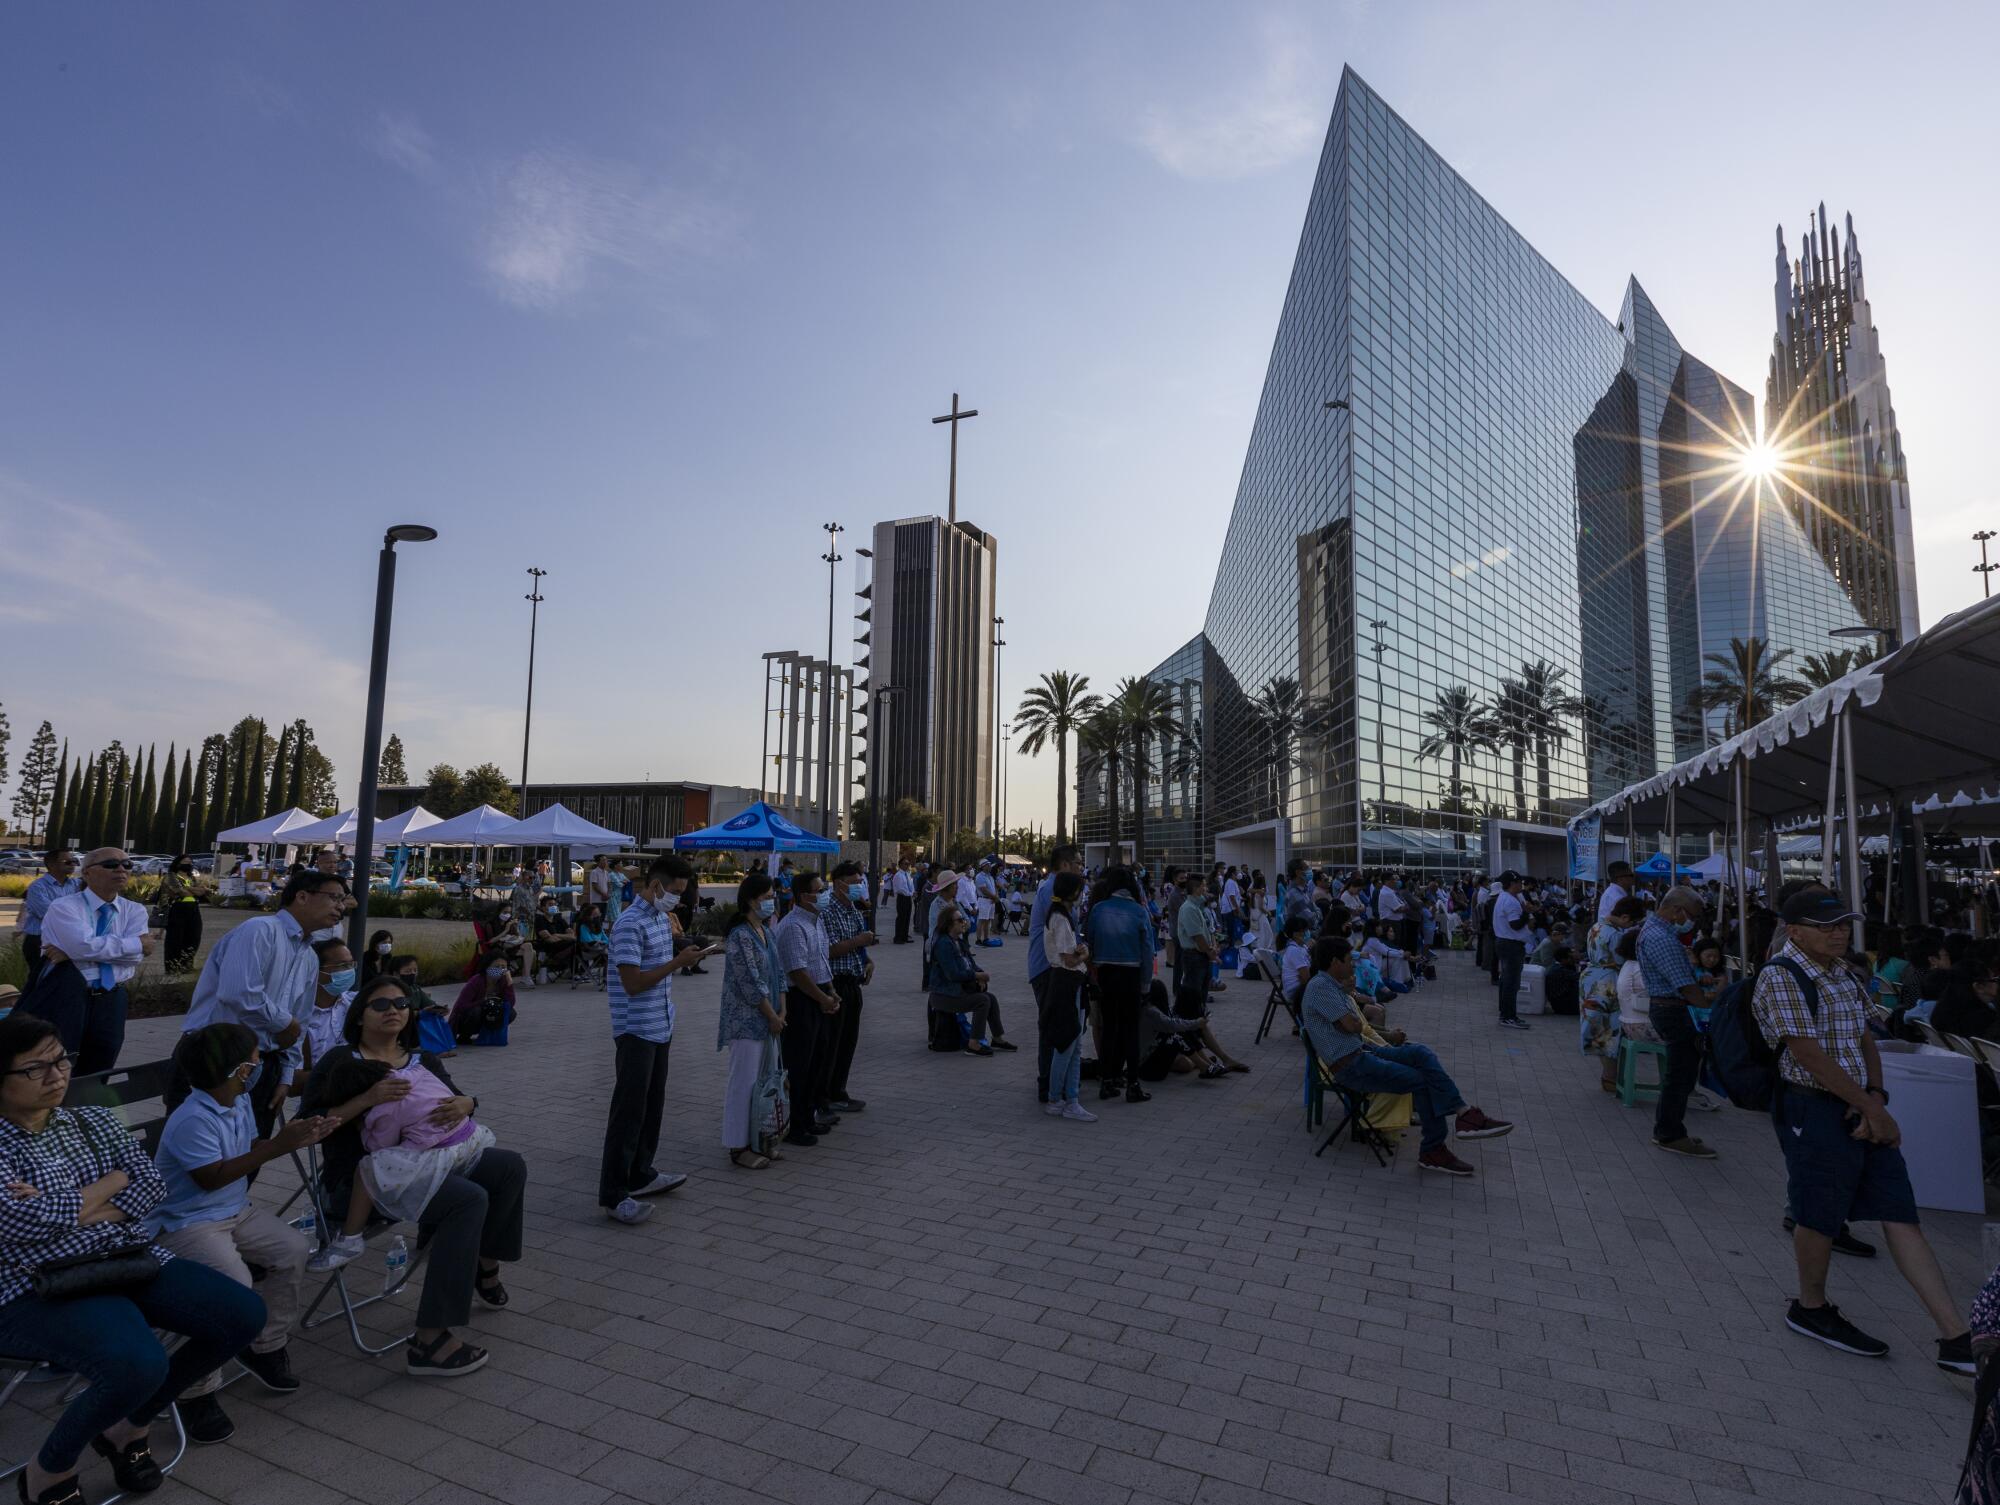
{"points": [[13, 965], [15, 885]]}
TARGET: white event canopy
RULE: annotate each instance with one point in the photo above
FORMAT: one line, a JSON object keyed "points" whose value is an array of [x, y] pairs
{"points": [[482, 826], [399, 830], [335, 829], [284, 826], [559, 826]]}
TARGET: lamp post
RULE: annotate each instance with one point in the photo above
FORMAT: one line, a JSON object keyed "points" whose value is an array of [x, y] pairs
{"points": [[1984, 569], [832, 556], [998, 643], [875, 738], [1889, 638], [371, 735], [1381, 769], [1006, 753], [534, 600]]}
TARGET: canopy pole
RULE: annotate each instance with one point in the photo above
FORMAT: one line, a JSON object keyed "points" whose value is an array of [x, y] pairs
{"points": [[1923, 914], [1742, 786], [1826, 874], [1852, 825], [1673, 846]]}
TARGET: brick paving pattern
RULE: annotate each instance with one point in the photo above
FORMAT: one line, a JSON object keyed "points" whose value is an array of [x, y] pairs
{"points": [[955, 1299]]}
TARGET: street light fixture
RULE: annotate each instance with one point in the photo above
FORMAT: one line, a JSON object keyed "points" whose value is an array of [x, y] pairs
{"points": [[998, 643], [371, 735], [1983, 569], [1888, 637], [534, 600]]}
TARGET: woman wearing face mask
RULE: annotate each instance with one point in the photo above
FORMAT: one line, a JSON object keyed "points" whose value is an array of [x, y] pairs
{"points": [[487, 995], [375, 959], [753, 1013], [180, 898], [433, 1018]]}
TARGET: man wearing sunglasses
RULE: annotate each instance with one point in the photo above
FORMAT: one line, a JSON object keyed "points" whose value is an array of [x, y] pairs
{"points": [[106, 936]]}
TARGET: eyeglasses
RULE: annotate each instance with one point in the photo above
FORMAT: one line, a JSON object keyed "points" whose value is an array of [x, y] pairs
{"points": [[126, 865], [44, 1071]]}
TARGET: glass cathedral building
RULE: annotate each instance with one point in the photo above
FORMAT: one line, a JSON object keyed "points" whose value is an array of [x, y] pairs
{"points": [[1483, 541]]}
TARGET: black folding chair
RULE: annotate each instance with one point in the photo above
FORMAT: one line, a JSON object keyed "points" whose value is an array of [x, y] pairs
{"points": [[1354, 1109], [336, 1279], [1269, 965]]}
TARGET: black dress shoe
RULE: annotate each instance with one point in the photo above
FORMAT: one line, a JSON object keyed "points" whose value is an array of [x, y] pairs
{"points": [[1844, 1242], [1108, 1088], [803, 1139], [62, 1492], [1137, 1094], [206, 1422], [273, 1370]]}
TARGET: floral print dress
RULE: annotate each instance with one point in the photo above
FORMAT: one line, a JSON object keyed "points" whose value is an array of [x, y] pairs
{"points": [[1597, 1024]]}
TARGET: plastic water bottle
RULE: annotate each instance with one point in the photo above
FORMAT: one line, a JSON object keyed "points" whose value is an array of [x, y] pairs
{"points": [[307, 1222], [395, 1264]]}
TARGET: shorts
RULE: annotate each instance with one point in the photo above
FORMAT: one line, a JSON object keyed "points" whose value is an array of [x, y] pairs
{"points": [[1832, 1177]]}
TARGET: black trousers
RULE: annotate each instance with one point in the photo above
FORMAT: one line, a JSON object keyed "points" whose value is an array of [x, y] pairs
{"points": [[807, 1046], [902, 919], [1039, 983], [632, 1130], [1119, 990], [31, 953], [846, 1034], [474, 1215], [91, 1025], [1675, 1026]]}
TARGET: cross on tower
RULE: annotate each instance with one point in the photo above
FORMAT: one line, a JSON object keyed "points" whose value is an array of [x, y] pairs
{"points": [[954, 417]]}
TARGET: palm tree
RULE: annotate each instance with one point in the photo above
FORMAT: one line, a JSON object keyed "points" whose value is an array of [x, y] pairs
{"points": [[1101, 748], [1547, 704], [1049, 713], [1460, 726], [1146, 709], [1745, 684], [1275, 710], [1821, 669], [1512, 714]]}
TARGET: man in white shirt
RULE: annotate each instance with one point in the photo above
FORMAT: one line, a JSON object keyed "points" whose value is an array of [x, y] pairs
{"points": [[598, 881], [904, 887], [1619, 887], [1350, 896], [987, 895], [106, 936], [1511, 935], [1232, 906]]}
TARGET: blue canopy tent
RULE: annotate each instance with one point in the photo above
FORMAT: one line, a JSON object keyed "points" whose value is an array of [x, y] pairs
{"points": [[757, 829], [1657, 866]]}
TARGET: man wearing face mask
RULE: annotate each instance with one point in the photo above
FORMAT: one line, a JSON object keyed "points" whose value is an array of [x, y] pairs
{"points": [[812, 1026], [639, 985], [847, 940], [1674, 987]]}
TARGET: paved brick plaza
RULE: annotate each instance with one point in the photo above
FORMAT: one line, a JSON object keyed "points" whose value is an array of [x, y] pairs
{"points": [[957, 1300]]}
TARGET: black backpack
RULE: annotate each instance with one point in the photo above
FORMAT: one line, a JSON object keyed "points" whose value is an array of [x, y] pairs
{"points": [[1743, 1061]]}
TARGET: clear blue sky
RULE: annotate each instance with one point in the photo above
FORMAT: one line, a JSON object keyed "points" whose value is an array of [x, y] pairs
{"points": [[643, 294]]}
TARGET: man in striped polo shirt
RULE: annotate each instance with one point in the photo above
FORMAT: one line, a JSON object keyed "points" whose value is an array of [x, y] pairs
{"points": [[638, 982]]}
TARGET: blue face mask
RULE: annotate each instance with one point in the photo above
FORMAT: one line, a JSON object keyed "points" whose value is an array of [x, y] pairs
{"points": [[767, 907], [1684, 927], [341, 981], [857, 891]]}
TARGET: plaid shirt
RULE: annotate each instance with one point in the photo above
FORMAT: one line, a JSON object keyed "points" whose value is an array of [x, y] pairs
{"points": [[1663, 961], [843, 922], [642, 938], [76, 1147], [1779, 1004]]}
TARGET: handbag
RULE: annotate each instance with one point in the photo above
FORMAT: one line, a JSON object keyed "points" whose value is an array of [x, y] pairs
{"points": [[770, 1101], [93, 1274]]}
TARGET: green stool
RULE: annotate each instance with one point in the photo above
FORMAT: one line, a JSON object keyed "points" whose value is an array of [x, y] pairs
{"points": [[1630, 1090]]}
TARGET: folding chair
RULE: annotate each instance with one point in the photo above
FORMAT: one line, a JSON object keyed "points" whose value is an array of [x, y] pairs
{"points": [[336, 1280], [23, 1366], [1268, 962], [1355, 1108]]}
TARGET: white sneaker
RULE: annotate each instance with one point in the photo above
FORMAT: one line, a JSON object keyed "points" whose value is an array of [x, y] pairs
{"points": [[1078, 1113], [344, 1249], [1053, 1108], [661, 1182], [629, 1212]]}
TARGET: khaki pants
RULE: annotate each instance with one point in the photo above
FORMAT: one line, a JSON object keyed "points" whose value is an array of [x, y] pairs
{"points": [[230, 1245]]}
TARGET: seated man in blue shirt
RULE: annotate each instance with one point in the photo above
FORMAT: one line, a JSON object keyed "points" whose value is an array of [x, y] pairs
{"points": [[206, 1156], [1334, 1024]]}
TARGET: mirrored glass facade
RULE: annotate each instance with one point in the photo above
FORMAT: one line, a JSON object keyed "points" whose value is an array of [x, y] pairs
{"points": [[1483, 537]]}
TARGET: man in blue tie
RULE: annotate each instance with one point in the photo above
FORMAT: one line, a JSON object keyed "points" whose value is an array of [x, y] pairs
{"points": [[105, 934]]}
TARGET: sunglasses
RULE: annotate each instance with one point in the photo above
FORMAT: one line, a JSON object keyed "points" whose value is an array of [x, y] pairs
{"points": [[388, 1006], [125, 865]]}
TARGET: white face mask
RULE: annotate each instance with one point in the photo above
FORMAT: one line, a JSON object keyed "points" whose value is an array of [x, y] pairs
{"points": [[383, 949]]}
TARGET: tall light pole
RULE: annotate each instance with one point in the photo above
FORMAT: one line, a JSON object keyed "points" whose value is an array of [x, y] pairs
{"points": [[534, 600], [1985, 569], [998, 643], [1381, 769], [875, 740], [955, 417], [832, 556], [1006, 753], [371, 735]]}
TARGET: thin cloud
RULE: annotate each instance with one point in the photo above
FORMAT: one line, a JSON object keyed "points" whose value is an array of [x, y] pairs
{"points": [[1276, 117], [401, 141], [561, 223]]}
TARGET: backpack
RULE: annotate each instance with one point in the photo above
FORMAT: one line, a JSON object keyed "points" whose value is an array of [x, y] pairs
{"points": [[1743, 1061]]}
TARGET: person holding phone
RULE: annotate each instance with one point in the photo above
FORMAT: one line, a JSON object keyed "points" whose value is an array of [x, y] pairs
{"points": [[848, 938], [639, 986]]}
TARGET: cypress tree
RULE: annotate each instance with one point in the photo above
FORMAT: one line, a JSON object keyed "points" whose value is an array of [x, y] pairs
{"points": [[204, 772], [91, 830], [52, 831], [219, 811], [159, 833], [295, 788], [280, 767], [177, 827], [74, 808], [253, 779], [146, 810]]}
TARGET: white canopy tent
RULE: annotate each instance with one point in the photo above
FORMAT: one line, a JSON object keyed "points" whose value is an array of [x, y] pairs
{"points": [[480, 827], [1920, 725], [337, 830], [559, 826], [283, 826], [402, 830]]}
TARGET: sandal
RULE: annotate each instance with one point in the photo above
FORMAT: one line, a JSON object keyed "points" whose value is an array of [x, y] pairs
{"points": [[131, 1465], [748, 1159], [422, 1361], [490, 1290]]}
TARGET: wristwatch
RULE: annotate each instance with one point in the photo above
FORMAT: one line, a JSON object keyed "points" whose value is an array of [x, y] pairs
{"points": [[1881, 1092]]}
